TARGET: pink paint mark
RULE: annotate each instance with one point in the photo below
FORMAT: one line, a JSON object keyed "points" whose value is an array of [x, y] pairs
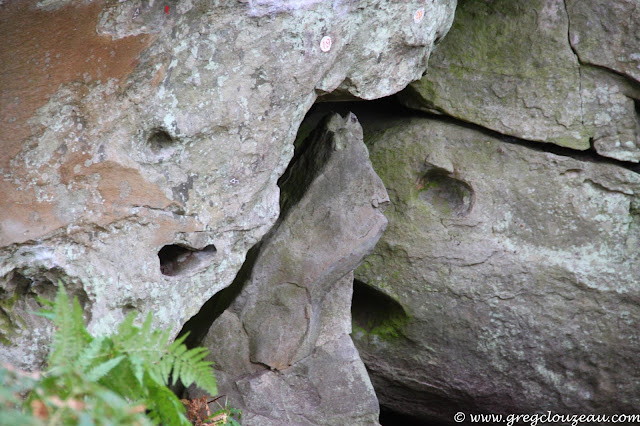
{"points": [[166, 10]]}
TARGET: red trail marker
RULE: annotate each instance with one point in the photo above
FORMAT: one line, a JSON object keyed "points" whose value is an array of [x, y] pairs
{"points": [[166, 10]]}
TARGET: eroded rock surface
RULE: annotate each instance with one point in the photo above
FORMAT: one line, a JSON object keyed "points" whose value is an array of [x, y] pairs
{"points": [[553, 71], [506, 281], [607, 34], [282, 349], [142, 141]]}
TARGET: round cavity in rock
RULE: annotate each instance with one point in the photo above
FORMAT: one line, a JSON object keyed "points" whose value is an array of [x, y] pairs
{"points": [[447, 195], [159, 140], [179, 260]]}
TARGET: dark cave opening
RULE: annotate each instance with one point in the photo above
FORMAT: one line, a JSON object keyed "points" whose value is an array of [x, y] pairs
{"points": [[372, 115]]}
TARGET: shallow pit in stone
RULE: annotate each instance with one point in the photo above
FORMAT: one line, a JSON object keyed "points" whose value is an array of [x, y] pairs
{"points": [[160, 140], [178, 260], [447, 195]]}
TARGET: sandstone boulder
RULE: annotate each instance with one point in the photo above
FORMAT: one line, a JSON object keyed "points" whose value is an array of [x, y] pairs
{"points": [[507, 280]]}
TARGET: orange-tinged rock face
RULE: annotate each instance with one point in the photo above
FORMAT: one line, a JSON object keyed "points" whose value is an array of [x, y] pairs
{"points": [[140, 151], [42, 51]]}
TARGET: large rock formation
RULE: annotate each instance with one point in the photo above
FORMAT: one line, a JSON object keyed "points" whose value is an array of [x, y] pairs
{"points": [[282, 349], [143, 144], [508, 278], [142, 140]]}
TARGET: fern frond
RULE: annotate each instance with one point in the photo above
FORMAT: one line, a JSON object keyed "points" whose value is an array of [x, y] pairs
{"points": [[132, 366], [164, 406], [187, 365], [47, 308], [101, 370], [159, 340], [176, 343], [191, 367], [166, 365], [122, 381], [137, 366], [175, 357], [146, 325], [71, 335], [126, 329], [97, 349]]}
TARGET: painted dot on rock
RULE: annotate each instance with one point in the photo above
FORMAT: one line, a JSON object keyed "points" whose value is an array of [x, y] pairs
{"points": [[166, 10], [418, 16], [325, 44]]}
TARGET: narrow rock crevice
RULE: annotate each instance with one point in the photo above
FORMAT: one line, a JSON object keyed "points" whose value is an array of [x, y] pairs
{"points": [[585, 63], [627, 79], [198, 325], [575, 52], [370, 114], [633, 83], [589, 155]]}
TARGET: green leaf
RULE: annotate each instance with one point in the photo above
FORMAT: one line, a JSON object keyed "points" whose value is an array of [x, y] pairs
{"points": [[146, 325], [137, 367], [122, 381], [166, 365], [101, 370], [45, 302], [165, 406], [97, 348]]}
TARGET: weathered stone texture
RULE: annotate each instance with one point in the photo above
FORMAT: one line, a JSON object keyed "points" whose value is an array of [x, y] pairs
{"points": [[512, 277], [141, 149], [508, 66], [606, 33], [284, 347], [541, 70]]}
